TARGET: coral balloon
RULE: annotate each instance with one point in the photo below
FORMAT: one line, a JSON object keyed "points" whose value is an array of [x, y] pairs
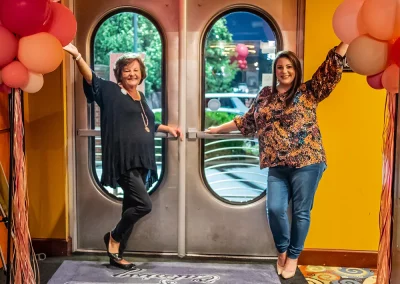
{"points": [[24, 17], [375, 81], [379, 18], [35, 83], [347, 22], [367, 56], [1, 80], [62, 24], [395, 52], [390, 79], [40, 53], [242, 51], [15, 75], [8, 47]]}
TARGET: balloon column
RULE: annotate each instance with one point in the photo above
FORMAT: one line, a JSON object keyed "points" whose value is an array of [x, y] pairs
{"points": [[372, 30], [32, 34], [241, 51]]}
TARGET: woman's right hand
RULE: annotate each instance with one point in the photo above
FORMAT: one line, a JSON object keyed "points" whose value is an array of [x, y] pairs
{"points": [[213, 130], [71, 49]]}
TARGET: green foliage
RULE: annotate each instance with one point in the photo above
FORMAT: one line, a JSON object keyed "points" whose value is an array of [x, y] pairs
{"points": [[116, 35], [220, 73], [215, 118]]}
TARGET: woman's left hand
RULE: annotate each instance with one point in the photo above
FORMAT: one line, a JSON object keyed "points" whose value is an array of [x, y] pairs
{"points": [[176, 132]]}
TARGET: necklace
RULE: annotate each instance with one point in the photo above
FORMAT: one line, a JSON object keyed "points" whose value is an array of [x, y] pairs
{"points": [[143, 113], [144, 118]]}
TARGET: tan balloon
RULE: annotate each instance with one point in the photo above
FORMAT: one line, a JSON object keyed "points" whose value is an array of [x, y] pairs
{"points": [[41, 53], [35, 83], [367, 56]]}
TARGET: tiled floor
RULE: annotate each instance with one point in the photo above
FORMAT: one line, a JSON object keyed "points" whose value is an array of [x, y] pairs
{"points": [[337, 275]]}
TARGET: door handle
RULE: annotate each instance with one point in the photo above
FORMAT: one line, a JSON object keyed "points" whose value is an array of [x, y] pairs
{"points": [[193, 134], [96, 133]]}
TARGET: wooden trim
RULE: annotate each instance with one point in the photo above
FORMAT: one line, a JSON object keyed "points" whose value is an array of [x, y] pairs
{"points": [[53, 247], [339, 258]]}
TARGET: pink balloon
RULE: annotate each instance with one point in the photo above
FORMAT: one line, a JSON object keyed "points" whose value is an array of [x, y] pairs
{"points": [[375, 81], [5, 89], [347, 22], [24, 17], [379, 18], [242, 50], [15, 75], [8, 47], [390, 79], [62, 23]]}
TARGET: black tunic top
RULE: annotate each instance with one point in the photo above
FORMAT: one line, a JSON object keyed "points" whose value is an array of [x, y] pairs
{"points": [[125, 143]]}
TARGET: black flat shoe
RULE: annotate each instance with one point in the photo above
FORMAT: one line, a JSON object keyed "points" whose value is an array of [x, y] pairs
{"points": [[128, 266], [113, 256]]}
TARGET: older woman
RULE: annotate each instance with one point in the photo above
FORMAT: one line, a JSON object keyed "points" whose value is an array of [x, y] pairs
{"points": [[127, 137]]}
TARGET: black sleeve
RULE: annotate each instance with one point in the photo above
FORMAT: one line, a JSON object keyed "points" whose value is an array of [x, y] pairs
{"points": [[94, 92]]}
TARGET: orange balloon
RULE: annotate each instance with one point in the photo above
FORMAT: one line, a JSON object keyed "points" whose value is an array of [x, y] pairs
{"points": [[390, 79], [41, 53], [15, 75], [397, 24], [347, 22], [379, 17], [367, 56]]}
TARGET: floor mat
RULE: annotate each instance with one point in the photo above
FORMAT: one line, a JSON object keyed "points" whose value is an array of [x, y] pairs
{"points": [[85, 272], [337, 275]]}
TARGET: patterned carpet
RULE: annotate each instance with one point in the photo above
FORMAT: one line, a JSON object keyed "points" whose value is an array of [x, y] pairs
{"points": [[337, 275]]}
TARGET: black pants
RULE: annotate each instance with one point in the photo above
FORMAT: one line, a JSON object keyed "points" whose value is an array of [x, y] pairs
{"points": [[136, 203]]}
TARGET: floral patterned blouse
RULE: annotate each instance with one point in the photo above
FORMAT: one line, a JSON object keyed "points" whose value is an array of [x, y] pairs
{"points": [[291, 136]]}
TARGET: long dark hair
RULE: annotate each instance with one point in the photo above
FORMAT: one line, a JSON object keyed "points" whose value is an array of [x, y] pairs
{"points": [[291, 56]]}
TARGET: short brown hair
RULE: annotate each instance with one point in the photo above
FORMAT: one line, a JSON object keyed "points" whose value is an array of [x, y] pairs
{"points": [[126, 59]]}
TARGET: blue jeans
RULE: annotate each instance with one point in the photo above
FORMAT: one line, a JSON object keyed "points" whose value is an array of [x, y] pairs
{"points": [[298, 185]]}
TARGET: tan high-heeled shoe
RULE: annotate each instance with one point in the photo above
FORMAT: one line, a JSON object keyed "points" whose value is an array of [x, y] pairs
{"points": [[279, 268], [288, 274]]}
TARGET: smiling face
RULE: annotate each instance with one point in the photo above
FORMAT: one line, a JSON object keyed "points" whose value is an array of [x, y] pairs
{"points": [[131, 76], [285, 72]]}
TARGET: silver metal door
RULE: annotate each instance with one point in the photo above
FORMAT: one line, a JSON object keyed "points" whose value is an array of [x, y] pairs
{"points": [[96, 212], [187, 218]]}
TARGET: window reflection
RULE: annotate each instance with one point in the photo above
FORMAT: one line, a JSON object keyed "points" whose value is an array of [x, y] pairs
{"points": [[239, 51]]}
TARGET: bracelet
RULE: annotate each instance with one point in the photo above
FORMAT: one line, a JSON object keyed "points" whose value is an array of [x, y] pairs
{"points": [[78, 57]]}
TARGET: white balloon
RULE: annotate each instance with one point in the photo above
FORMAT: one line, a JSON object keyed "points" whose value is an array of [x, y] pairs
{"points": [[35, 83]]}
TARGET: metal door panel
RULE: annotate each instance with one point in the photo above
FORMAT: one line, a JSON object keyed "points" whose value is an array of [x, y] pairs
{"points": [[214, 227], [96, 212]]}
